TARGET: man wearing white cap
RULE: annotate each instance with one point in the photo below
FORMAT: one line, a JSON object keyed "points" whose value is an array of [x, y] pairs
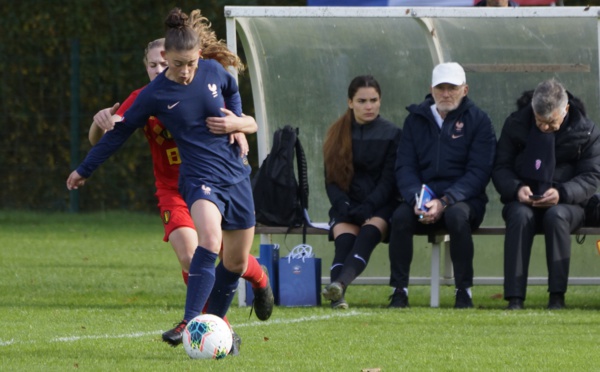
{"points": [[448, 144]]}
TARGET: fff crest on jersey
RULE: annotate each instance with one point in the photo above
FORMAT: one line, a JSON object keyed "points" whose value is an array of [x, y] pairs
{"points": [[213, 89]]}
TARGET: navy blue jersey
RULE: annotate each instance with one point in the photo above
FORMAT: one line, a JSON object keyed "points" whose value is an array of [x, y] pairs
{"points": [[183, 110]]}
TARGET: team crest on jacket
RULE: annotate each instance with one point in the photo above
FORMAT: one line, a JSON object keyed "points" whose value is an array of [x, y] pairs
{"points": [[538, 164], [458, 130], [166, 217]]}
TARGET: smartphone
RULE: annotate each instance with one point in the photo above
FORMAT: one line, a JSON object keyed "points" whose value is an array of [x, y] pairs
{"points": [[535, 197]]}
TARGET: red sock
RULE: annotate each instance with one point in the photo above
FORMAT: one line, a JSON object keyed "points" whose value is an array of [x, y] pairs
{"points": [[185, 276], [255, 274]]}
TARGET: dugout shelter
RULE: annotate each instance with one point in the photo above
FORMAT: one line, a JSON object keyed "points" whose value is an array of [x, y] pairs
{"points": [[301, 60]]}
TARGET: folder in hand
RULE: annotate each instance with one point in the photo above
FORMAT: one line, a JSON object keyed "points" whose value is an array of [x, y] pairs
{"points": [[425, 197]]}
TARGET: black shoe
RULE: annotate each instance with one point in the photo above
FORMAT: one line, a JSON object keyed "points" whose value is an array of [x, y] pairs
{"points": [[398, 299], [463, 300], [173, 336], [515, 303], [556, 301], [236, 345], [333, 292], [340, 304], [263, 299]]}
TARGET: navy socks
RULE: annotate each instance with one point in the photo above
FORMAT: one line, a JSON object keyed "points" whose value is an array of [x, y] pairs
{"points": [[343, 245], [366, 241], [226, 283], [200, 282]]}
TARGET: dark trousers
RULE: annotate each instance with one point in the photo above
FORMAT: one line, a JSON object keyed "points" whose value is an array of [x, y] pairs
{"points": [[522, 223], [459, 220]]}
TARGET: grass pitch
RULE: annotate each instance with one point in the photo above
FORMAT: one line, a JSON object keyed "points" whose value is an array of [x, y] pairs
{"points": [[95, 292]]}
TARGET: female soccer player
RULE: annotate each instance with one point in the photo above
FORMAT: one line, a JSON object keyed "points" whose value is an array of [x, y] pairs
{"points": [[177, 222], [214, 179], [359, 152]]}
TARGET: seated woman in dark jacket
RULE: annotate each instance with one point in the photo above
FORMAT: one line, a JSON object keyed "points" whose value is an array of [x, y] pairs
{"points": [[359, 154]]}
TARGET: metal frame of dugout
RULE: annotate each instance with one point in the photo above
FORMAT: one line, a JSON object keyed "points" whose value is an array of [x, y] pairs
{"points": [[503, 50]]}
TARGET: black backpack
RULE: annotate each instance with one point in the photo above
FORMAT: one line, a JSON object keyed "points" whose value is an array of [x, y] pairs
{"points": [[279, 198], [592, 211], [592, 216]]}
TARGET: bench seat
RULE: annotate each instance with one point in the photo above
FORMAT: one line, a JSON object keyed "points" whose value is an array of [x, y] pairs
{"points": [[438, 240]]}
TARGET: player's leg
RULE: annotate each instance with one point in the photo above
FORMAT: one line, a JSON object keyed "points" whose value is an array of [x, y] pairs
{"points": [[238, 235], [184, 241], [179, 228], [236, 249], [258, 277], [207, 219]]}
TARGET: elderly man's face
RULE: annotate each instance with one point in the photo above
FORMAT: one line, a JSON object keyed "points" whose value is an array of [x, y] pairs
{"points": [[447, 97], [553, 122]]}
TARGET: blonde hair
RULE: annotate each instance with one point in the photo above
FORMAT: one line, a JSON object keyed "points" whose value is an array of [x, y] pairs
{"points": [[158, 43]]}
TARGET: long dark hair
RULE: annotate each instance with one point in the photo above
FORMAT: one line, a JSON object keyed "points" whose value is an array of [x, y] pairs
{"points": [[337, 147]]}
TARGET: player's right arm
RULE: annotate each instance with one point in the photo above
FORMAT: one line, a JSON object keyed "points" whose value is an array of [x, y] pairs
{"points": [[108, 145], [112, 140]]}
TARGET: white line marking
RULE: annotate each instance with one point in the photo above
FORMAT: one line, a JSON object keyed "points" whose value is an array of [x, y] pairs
{"points": [[300, 320], [77, 338], [241, 325]]}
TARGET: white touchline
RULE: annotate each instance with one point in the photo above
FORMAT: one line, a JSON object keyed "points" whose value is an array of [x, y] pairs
{"points": [[235, 326], [299, 320]]}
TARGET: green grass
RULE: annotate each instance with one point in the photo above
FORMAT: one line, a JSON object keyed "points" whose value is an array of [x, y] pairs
{"points": [[94, 292]]}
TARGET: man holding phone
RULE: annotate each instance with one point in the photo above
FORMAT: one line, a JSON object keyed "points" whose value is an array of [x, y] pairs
{"points": [[547, 167]]}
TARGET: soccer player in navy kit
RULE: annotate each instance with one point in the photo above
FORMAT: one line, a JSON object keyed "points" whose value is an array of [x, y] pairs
{"points": [[214, 180]]}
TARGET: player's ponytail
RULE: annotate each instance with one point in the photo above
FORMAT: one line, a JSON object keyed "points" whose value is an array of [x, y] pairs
{"points": [[213, 48]]}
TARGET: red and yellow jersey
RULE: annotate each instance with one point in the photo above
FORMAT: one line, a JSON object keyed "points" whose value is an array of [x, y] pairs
{"points": [[165, 155]]}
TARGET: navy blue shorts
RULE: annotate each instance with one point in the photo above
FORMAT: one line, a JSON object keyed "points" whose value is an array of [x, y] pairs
{"points": [[235, 202]]}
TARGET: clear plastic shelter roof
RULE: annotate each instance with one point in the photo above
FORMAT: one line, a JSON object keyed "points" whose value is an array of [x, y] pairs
{"points": [[301, 60]]}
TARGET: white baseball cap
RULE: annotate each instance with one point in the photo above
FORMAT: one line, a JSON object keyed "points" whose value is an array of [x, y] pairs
{"points": [[451, 73]]}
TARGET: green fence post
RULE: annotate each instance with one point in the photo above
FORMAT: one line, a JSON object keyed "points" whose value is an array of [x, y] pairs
{"points": [[75, 108]]}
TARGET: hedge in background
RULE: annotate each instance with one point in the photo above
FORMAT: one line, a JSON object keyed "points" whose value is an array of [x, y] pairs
{"points": [[37, 38]]}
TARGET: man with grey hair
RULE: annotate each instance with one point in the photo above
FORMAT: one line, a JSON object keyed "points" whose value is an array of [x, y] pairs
{"points": [[547, 167], [497, 3], [447, 144]]}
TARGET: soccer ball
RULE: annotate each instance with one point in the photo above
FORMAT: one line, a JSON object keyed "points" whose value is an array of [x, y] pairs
{"points": [[207, 337]]}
